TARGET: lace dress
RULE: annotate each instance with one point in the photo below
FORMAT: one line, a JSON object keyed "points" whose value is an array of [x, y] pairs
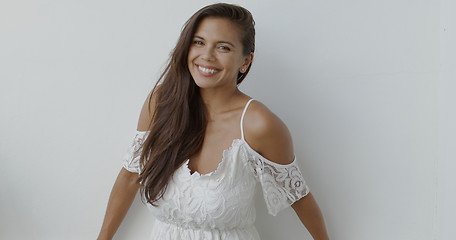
{"points": [[220, 204]]}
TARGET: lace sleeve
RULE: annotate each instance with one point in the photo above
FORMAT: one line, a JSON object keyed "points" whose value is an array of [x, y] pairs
{"points": [[131, 157], [282, 184]]}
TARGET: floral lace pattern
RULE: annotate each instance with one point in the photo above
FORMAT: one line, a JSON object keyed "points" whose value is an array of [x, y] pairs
{"points": [[282, 184], [131, 157], [221, 205]]}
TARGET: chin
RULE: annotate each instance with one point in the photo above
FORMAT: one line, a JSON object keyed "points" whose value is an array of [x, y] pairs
{"points": [[203, 83]]}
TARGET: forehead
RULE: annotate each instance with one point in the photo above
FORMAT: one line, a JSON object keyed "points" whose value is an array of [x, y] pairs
{"points": [[215, 28]]}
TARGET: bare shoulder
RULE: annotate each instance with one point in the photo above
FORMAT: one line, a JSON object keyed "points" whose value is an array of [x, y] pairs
{"points": [[147, 111], [267, 134]]}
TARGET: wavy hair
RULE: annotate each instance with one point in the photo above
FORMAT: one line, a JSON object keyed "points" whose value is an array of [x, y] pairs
{"points": [[178, 124]]}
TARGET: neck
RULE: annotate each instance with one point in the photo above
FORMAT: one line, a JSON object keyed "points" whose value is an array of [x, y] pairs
{"points": [[218, 102]]}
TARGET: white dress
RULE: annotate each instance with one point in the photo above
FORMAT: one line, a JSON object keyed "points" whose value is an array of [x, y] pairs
{"points": [[220, 204]]}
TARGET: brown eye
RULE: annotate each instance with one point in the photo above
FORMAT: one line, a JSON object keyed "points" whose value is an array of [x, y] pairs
{"points": [[197, 42], [225, 48]]}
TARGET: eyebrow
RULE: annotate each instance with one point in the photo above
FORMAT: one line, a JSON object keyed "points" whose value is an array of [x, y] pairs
{"points": [[230, 43]]}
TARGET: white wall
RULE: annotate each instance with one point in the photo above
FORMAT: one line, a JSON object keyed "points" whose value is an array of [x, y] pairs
{"points": [[359, 84], [446, 194]]}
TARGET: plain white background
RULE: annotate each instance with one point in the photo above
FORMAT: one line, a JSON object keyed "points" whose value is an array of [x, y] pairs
{"points": [[365, 87]]}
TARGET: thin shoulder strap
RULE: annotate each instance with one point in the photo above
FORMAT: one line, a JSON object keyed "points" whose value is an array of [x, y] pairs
{"points": [[242, 117]]}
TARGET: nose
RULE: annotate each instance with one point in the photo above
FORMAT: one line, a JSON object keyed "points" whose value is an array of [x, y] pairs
{"points": [[208, 54]]}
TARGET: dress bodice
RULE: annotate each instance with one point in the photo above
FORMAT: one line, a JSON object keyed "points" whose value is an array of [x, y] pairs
{"points": [[220, 204]]}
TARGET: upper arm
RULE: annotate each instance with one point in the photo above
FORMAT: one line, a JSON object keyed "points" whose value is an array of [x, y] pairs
{"points": [[147, 111], [131, 177], [267, 134]]}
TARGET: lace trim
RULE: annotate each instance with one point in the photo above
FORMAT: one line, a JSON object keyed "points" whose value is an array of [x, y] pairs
{"points": [[131, 157], [226, 153], [282, 184]]}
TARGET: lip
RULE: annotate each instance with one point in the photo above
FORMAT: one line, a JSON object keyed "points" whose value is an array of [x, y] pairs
{"points": [[206, 74]]}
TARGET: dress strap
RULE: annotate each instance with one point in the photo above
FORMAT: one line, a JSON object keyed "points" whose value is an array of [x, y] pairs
{"points": [[242, 117]]}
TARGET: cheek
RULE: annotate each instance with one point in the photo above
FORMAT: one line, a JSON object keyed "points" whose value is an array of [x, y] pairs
{"points": [[191, 54], [230, 61]]}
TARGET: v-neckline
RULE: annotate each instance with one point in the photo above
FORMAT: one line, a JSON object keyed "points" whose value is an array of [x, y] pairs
{"points": [[225, 152], [219, 166]]}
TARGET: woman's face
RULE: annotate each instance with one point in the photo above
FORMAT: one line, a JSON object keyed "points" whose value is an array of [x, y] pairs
{"points": [[215, 56]]}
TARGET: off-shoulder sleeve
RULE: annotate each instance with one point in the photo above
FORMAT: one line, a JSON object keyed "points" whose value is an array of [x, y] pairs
{"points": [[282, 185], [131, 157]]}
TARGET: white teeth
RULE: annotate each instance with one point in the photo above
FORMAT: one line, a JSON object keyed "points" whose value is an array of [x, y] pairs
{"points": [[207, 70]]}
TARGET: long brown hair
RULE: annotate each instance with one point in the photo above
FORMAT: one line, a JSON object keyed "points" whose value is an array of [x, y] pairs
{"points": [[179, 120]]}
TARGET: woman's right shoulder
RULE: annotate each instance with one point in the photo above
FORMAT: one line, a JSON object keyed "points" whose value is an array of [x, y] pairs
{"points": [[147, 111]]}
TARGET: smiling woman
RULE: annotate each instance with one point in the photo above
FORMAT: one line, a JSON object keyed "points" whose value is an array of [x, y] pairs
{"points": [[216, 57], [202, 145]]}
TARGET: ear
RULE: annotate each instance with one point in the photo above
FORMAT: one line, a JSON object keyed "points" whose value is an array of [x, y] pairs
{"points": [[247, 61]]}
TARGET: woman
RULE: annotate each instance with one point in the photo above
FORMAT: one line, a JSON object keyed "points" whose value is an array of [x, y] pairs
{"points": [[202, 145]]}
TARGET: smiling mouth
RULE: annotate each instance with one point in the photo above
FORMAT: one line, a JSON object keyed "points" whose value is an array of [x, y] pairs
{"points": [[206, 70]]}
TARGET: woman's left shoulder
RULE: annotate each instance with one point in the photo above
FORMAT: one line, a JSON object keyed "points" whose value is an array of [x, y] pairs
{"points": [[267, 134]]}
